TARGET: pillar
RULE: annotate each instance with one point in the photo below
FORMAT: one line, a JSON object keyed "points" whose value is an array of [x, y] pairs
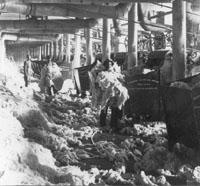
{"points": [[89, 52], [62, 47], [67, 47], [52, 48], [106, 43], [43, 50], [3, 50], [76, 61], [40, 53], [116, 44], [43, 53], [66, 43], [77, 51], [57, 48], [179, 39], [132, 37], [47, 49]]}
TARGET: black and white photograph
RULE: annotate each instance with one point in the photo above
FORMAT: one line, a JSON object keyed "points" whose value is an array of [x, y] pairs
{"points": [[100, 92]]}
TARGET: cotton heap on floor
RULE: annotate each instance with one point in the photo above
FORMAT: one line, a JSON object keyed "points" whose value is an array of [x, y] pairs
{"points": [[61, 143]]}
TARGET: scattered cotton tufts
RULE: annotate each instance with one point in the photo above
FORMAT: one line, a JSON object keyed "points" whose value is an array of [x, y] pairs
{"points": [[68, 86]]}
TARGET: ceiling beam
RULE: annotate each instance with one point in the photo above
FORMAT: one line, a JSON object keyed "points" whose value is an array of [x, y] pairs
{"points": [[87, 2], [39, 32], [13, 44], [48, 31], [20, 37], [59, 26], [113, 12], [94, 11]]}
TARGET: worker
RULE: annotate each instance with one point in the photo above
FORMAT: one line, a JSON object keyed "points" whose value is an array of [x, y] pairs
{"points": [[27, 70], [51, 80], [110, 93]]}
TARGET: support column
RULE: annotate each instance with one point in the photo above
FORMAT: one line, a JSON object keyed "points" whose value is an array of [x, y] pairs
{"points": [[40, 53], [29, 51], [49, 49], [33, 49], [132, 37], [57, 48], [36, 52], [44, 51], [67, 47], [52, 48], [106, 43], [116, 44], [67, 53], [76, 61], [3, 50], [179, 39], [62, 47], [33, 52], [89, 52]]}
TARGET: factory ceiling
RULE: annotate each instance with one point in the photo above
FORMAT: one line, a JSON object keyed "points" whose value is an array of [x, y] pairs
{"points": [[62, 16]]}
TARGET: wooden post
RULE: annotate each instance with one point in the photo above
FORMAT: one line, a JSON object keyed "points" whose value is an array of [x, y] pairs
{"points": [[52, 48], [48, 49], [43, 50], [36, 51], [116, 44], [106, 44], [67, 71], [33, 49], [67, 47], [40, 53], [76, 61], [89, 54], [179, 39], [132, 37], [57, 48], [61, 47], [3, 50], [29, 51]]}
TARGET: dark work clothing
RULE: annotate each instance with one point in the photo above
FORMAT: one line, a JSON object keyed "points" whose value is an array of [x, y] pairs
{"points": [[26, 80], [103, 115], [116, 115], [27, 72], [49, 92]]}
